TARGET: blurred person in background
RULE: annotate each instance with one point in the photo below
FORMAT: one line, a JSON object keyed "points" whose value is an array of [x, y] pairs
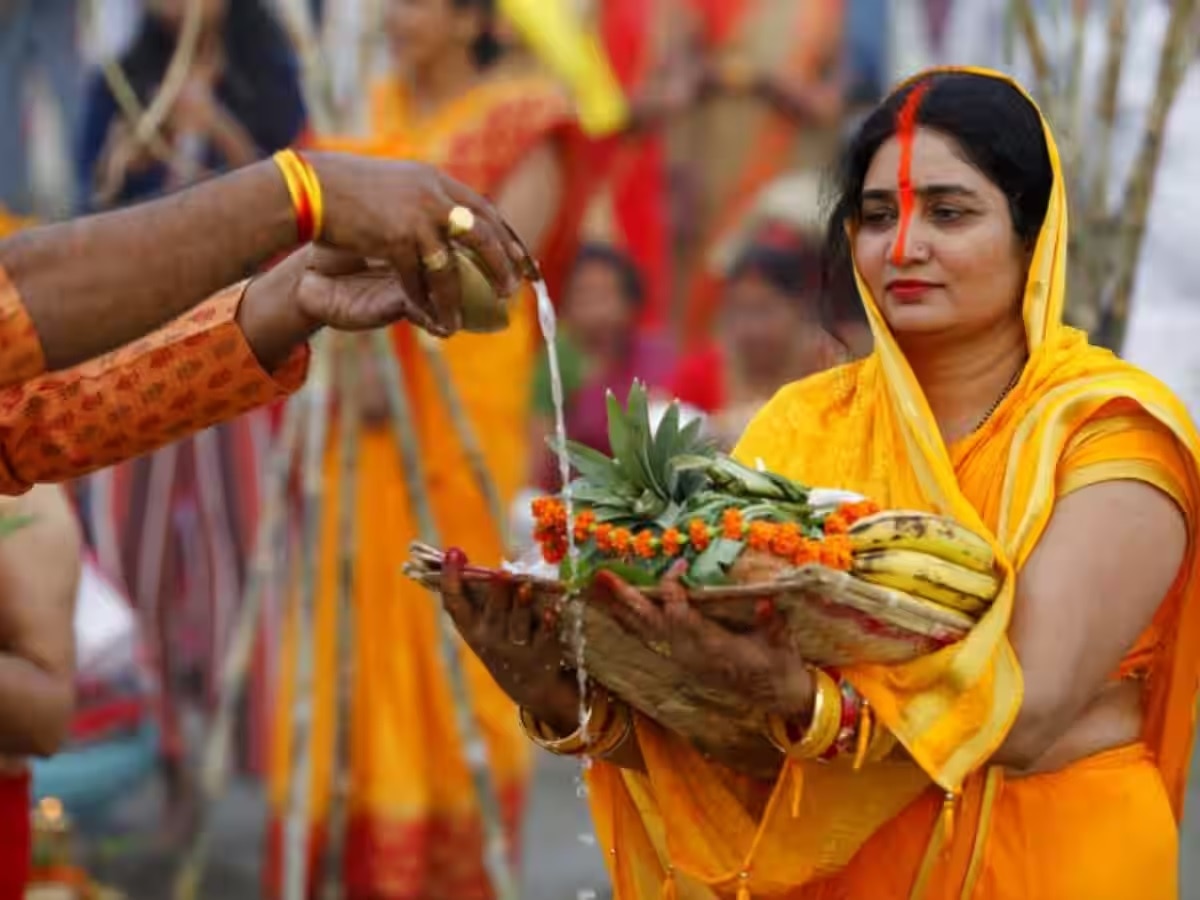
{"points": [[35, 36], [774, 80], [769, 333], [600, 349], [177, 526], [241, 101], [39, 570], [414, 828]]}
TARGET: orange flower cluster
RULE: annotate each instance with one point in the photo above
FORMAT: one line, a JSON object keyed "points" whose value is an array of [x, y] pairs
{"points": [[783, 539], [840, 520], [550, 528]]}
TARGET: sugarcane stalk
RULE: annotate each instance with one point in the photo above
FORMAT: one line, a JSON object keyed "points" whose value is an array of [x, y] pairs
{"points": [[268, 543], [464, 430], [1178, 50], [296, 833], [1106, 105], [1026, 22], [495, 851], [1074, 123], [349, 432]]}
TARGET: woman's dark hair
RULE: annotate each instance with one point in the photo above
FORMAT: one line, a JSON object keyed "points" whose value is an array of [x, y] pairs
{"points": [[487, 48], [999, 131], [793, 271], [629, 278], [259, 85]]}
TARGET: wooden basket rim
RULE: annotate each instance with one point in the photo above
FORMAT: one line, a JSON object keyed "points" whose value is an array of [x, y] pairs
{"points": [[840, 588]]}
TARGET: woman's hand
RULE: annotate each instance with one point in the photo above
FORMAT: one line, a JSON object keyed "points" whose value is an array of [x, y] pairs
{"points": [[759, 667], [519, 648]]}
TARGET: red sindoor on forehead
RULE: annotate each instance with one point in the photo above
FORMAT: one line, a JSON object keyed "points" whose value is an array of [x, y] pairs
{"points": [[906, 129]]}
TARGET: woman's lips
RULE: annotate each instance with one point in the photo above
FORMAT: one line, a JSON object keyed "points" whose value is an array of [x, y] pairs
{"points": [[909, 290]]}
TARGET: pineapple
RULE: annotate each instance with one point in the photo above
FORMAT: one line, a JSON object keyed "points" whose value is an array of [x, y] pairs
{"points": [[666, 493]]}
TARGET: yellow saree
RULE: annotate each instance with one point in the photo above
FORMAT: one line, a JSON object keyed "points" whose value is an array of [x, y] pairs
{"points": [[943, 825], [414, 831]]}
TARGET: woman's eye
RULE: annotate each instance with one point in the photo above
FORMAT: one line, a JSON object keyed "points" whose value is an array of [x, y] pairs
{"points": [[946, 214], [878, 218]]}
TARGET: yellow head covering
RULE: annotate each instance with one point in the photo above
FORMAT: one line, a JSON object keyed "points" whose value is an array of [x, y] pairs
{"points": [[867, 427]]}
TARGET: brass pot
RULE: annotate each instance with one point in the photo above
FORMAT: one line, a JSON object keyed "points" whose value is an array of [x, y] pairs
{"points": [[483, 310]]}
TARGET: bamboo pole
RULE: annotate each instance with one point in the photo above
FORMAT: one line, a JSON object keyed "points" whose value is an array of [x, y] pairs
{"points": [[269, 541], [296, 830], [495, 852], [1026, 22], [1177, 53], [465, 432], [349, 431]]}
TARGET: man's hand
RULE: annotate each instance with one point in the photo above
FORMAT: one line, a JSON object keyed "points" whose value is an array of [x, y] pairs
{"points": [[399, 212]]}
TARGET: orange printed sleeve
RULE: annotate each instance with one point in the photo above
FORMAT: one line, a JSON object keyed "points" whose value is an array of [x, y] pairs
{"points": [[195, 372], [20, 349]]}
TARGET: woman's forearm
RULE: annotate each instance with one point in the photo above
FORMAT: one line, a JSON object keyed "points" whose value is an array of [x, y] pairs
{"points": [[35, 708], [561, 712], [130, 271]]}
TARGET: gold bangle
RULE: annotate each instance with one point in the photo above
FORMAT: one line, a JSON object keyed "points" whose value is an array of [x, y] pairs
{"points": [[883, 742], [600, 739], [304, 188], [822, 729]]}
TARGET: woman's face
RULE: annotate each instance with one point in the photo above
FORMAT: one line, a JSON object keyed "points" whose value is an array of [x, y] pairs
{"points": [[959, 268], [760, 321], [422, 32], [597, 312]]}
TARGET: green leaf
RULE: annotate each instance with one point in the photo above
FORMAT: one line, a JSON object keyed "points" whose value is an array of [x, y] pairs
{"points": [[591, 464], [710, 566]]}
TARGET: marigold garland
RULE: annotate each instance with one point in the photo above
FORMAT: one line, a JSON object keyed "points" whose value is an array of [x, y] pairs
{"points": [[785, 540]]}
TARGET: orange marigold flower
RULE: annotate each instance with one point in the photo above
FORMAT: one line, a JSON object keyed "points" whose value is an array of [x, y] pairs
{"points": [[760, 536], [583, 525], [645, 544], [603, 535], [732, 525], [672, 542], [835, 523], [622, 540], [852, 512], [837, 553], [554, 552], [699, 535], [786, 540], [807, 552]]}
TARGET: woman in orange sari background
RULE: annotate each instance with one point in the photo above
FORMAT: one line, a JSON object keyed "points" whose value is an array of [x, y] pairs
{"points": [[1046, 754], [774, 67], [414, 827]]}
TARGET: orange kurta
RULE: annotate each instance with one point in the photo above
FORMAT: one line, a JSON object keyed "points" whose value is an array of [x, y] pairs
{"points": [[190, 374], [414, 829], [1103, 827]]}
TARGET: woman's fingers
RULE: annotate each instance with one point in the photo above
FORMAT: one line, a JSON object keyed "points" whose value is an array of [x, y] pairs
{"points": [[520, 619], [453, 598], [628, 606]]}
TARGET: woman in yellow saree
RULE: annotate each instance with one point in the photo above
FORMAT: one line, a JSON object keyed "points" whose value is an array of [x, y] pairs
{"points": [[1045, 755], [414, 828]]}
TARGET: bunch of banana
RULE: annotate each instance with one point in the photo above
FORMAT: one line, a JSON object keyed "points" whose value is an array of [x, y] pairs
{"points": [[928, 556]]}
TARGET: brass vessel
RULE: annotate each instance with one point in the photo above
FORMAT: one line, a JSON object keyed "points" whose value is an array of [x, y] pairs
{"points": [[484, 311]]}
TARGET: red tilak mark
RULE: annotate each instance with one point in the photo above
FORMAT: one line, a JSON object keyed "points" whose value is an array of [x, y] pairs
{"points": [[906, 131]]}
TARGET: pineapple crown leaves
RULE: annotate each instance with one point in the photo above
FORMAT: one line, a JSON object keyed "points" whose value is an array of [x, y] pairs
{"points": [[639, 482], [664, 474]]}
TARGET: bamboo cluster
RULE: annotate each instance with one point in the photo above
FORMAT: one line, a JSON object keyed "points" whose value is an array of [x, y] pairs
{"points": [[1106, 237]]}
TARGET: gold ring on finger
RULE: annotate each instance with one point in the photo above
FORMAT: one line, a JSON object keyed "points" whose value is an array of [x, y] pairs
{"points": [[662, 648], [461, 221], [436, 261]]}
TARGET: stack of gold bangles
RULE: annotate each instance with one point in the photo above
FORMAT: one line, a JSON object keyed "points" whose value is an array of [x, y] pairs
{"points": [[607, 724], [842, 724]]}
